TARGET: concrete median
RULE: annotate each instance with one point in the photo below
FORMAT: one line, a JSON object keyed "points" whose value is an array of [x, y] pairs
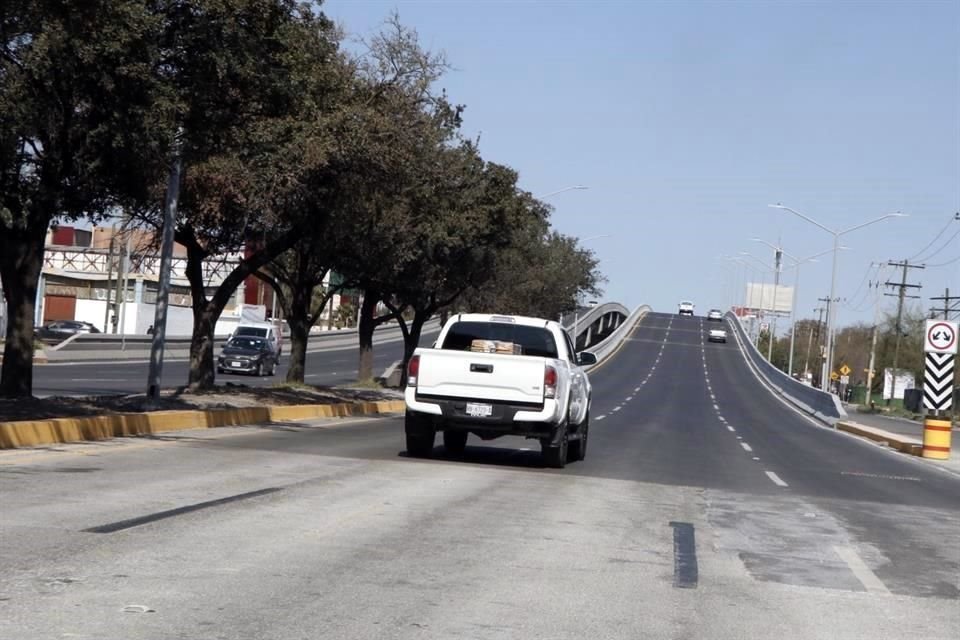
{"points": [[33, 433], [900, 442]]}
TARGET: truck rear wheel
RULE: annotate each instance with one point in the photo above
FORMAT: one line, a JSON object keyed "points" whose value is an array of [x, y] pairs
{"points": [[578, 448], [455, 442], [420, 435], [555, 455]]}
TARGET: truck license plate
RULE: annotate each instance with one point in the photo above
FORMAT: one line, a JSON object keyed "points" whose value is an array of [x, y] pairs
{"points": [[479, 410]]}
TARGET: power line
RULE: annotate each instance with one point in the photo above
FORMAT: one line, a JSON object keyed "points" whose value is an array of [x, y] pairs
{"points": [[955, 216], [943, 246], [866, 274], [944, 264]]}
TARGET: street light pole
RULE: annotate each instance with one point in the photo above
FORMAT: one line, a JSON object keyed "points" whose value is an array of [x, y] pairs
{"points": [[831, 313]]}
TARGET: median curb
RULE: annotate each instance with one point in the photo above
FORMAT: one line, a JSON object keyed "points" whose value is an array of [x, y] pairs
{"points": [[902, 443], [33, 433]]}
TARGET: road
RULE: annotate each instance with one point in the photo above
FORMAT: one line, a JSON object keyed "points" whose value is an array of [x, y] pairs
{"points": [[102, 377], [705, 509]]}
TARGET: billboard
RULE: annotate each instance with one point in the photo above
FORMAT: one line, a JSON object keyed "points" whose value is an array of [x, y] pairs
{"points": [[763, 296]]}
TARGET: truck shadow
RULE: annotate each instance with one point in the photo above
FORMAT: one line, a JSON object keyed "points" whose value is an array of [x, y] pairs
{"points": [[519, 458]]}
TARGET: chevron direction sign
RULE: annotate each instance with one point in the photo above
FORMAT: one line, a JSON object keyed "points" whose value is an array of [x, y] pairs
{"points": [[938, 381]]}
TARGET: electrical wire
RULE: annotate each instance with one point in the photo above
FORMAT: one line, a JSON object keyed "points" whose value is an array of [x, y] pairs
{"points": [[852, 300], [935, 238], [943, 264], [942, 247]]}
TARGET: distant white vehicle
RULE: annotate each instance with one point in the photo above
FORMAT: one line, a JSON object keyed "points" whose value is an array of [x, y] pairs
{"points": [[269, 331], [686, 308], [716, 315], [717, 335]]}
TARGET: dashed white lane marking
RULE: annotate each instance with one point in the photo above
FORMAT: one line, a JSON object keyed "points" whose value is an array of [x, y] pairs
{"points": [[739, 437], [864, 574], [600, 418], [776, 479], [716, 408], [756, 458], [730, 429], [746, 447], [615, 409], [629, 398], [721, 419], [636, 390]]}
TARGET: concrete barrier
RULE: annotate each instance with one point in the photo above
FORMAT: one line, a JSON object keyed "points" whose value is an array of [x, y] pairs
{"points": [[821, 405], [609, 346], [33, 433], [897, 441]]}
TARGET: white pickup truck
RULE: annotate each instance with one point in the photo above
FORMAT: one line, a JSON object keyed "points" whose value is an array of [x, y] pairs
{"points": [[496, 375]]}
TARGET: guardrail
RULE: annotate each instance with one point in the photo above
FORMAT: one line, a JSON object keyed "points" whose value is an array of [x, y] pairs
{"points": [[824, 406], [589, 317], [605, 348]]}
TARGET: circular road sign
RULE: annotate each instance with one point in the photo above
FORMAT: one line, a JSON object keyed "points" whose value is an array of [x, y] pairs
{"points": [[941, 336]]}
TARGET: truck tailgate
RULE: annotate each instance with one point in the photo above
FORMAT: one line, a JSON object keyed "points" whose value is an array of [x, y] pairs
{"points": [[486, 376]]}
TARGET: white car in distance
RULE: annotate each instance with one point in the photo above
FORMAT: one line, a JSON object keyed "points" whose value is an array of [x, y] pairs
{"points": [[686, 308]]}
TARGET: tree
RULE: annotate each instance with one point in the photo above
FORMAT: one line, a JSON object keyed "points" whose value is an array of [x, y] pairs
{"points": [[253, 80], [78, 130], [542, 274], [297, 278]]}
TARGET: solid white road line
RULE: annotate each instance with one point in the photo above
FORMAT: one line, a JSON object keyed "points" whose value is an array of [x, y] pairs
{"points": [[776, 479], [864, 574], [746, 447]]}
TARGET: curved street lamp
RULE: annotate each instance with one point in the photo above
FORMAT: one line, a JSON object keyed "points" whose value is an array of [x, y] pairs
{"points": [[831, 313]]}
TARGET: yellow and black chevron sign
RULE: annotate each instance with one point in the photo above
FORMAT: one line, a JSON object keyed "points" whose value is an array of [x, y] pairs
{"points": [[938, 381]]}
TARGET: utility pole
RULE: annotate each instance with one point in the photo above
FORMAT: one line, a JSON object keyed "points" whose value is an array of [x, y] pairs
{"points": [[778, 259], [901, 295], [166, 262], [107, 288], [873, 344], [824, 374], [947, 308]]}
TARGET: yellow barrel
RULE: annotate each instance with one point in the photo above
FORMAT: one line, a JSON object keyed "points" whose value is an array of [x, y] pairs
{"points": [[936, 438]]}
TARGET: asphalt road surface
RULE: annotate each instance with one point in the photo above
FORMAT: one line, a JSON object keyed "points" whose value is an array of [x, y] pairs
{"points": [[105, 377], [705, 509]]}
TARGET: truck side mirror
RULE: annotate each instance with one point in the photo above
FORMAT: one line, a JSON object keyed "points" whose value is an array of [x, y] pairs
{"points": [[585, 358]]}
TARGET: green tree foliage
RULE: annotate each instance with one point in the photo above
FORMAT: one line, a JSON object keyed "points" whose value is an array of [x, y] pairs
{"points": [[79, 108], [252, 82]]}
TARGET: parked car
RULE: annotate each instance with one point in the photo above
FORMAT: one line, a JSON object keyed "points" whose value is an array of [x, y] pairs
{"points": [[247, 354], [60, 330], [715, 315], [494, 376]]}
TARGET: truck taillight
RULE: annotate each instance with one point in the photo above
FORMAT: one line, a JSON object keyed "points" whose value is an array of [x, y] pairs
{"points": [[413, 369], [549, 382]]}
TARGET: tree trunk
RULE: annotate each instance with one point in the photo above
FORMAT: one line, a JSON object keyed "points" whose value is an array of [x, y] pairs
{"points": [[412, 340], [201, 346], [21, 262], [299, 335], [368, 324]]}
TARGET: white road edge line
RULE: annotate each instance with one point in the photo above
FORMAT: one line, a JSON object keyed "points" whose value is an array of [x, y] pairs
{"points": [[776, 479], [864, 574]]}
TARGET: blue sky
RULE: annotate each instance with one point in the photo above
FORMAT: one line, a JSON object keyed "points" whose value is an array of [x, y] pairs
{"points": [[686, 119]]}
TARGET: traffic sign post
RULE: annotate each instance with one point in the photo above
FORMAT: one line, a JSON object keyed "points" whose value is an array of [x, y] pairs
{"points": [[940, 347]]}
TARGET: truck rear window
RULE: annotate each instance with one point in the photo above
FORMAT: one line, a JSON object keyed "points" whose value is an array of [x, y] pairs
{"points": [[525, 340]]}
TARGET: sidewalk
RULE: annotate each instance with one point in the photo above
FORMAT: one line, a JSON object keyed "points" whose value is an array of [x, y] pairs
{"points": [[900, 433]]}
